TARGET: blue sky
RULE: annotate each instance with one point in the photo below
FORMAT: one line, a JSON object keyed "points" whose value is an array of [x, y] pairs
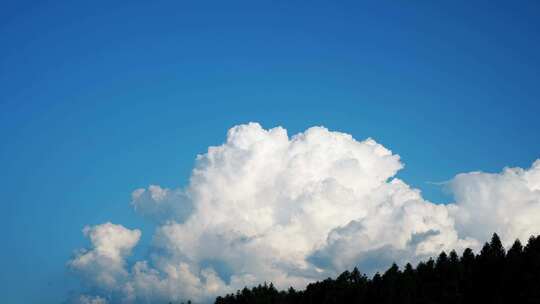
{"points": [[98, 99]]}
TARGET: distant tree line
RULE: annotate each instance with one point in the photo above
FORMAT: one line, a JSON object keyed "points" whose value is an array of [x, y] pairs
{"points": [[492, 276]]}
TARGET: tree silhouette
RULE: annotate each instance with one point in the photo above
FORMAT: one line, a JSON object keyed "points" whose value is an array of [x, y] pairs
{"points": [[492, 276]]}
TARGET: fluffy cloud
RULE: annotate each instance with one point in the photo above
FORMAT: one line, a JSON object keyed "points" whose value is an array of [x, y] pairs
{"points": [[85, 299], [104, 264], [264, 206], [507, 203], [160, 204]]}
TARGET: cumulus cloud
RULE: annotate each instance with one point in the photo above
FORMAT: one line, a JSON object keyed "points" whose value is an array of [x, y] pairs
{"points": [[104, 264], [85, 299], [264, 206], [160, 204], [507, 203]]}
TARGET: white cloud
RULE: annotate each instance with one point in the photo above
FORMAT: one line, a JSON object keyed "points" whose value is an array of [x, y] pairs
{"points": [[85, 299], [104, 264], [161, 204], [507, 203], [266, 207]]}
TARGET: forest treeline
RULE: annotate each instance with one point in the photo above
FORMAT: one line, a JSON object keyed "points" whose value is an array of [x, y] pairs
{"points": [[492, 276]]}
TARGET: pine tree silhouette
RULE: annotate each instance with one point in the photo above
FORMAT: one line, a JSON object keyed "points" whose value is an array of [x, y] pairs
{"points": [[492, 276]]}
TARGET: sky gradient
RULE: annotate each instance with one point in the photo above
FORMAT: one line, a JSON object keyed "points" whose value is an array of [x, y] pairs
{"points": [[100, 99]]}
